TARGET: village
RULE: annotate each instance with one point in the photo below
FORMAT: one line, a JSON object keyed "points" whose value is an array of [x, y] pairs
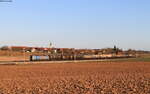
{"points": [[54, 54]]}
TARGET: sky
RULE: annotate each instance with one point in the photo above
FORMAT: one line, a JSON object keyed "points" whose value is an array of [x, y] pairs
{"points": [[76, 23]]}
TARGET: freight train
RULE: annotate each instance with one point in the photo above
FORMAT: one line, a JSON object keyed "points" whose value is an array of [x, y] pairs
{"points": [[60, 57]]}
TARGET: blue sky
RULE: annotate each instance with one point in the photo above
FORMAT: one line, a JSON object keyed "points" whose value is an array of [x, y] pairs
{"points": [[76, 23]]}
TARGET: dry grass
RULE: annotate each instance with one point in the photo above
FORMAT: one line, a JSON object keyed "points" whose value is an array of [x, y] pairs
{"points": [[76, 78]]}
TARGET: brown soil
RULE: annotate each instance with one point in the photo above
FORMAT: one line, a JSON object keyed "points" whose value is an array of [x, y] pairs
{"points": [[13, 58], [76, 78]]}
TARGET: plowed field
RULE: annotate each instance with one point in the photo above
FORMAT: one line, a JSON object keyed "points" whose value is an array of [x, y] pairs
{"points": [[76, 78]]}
